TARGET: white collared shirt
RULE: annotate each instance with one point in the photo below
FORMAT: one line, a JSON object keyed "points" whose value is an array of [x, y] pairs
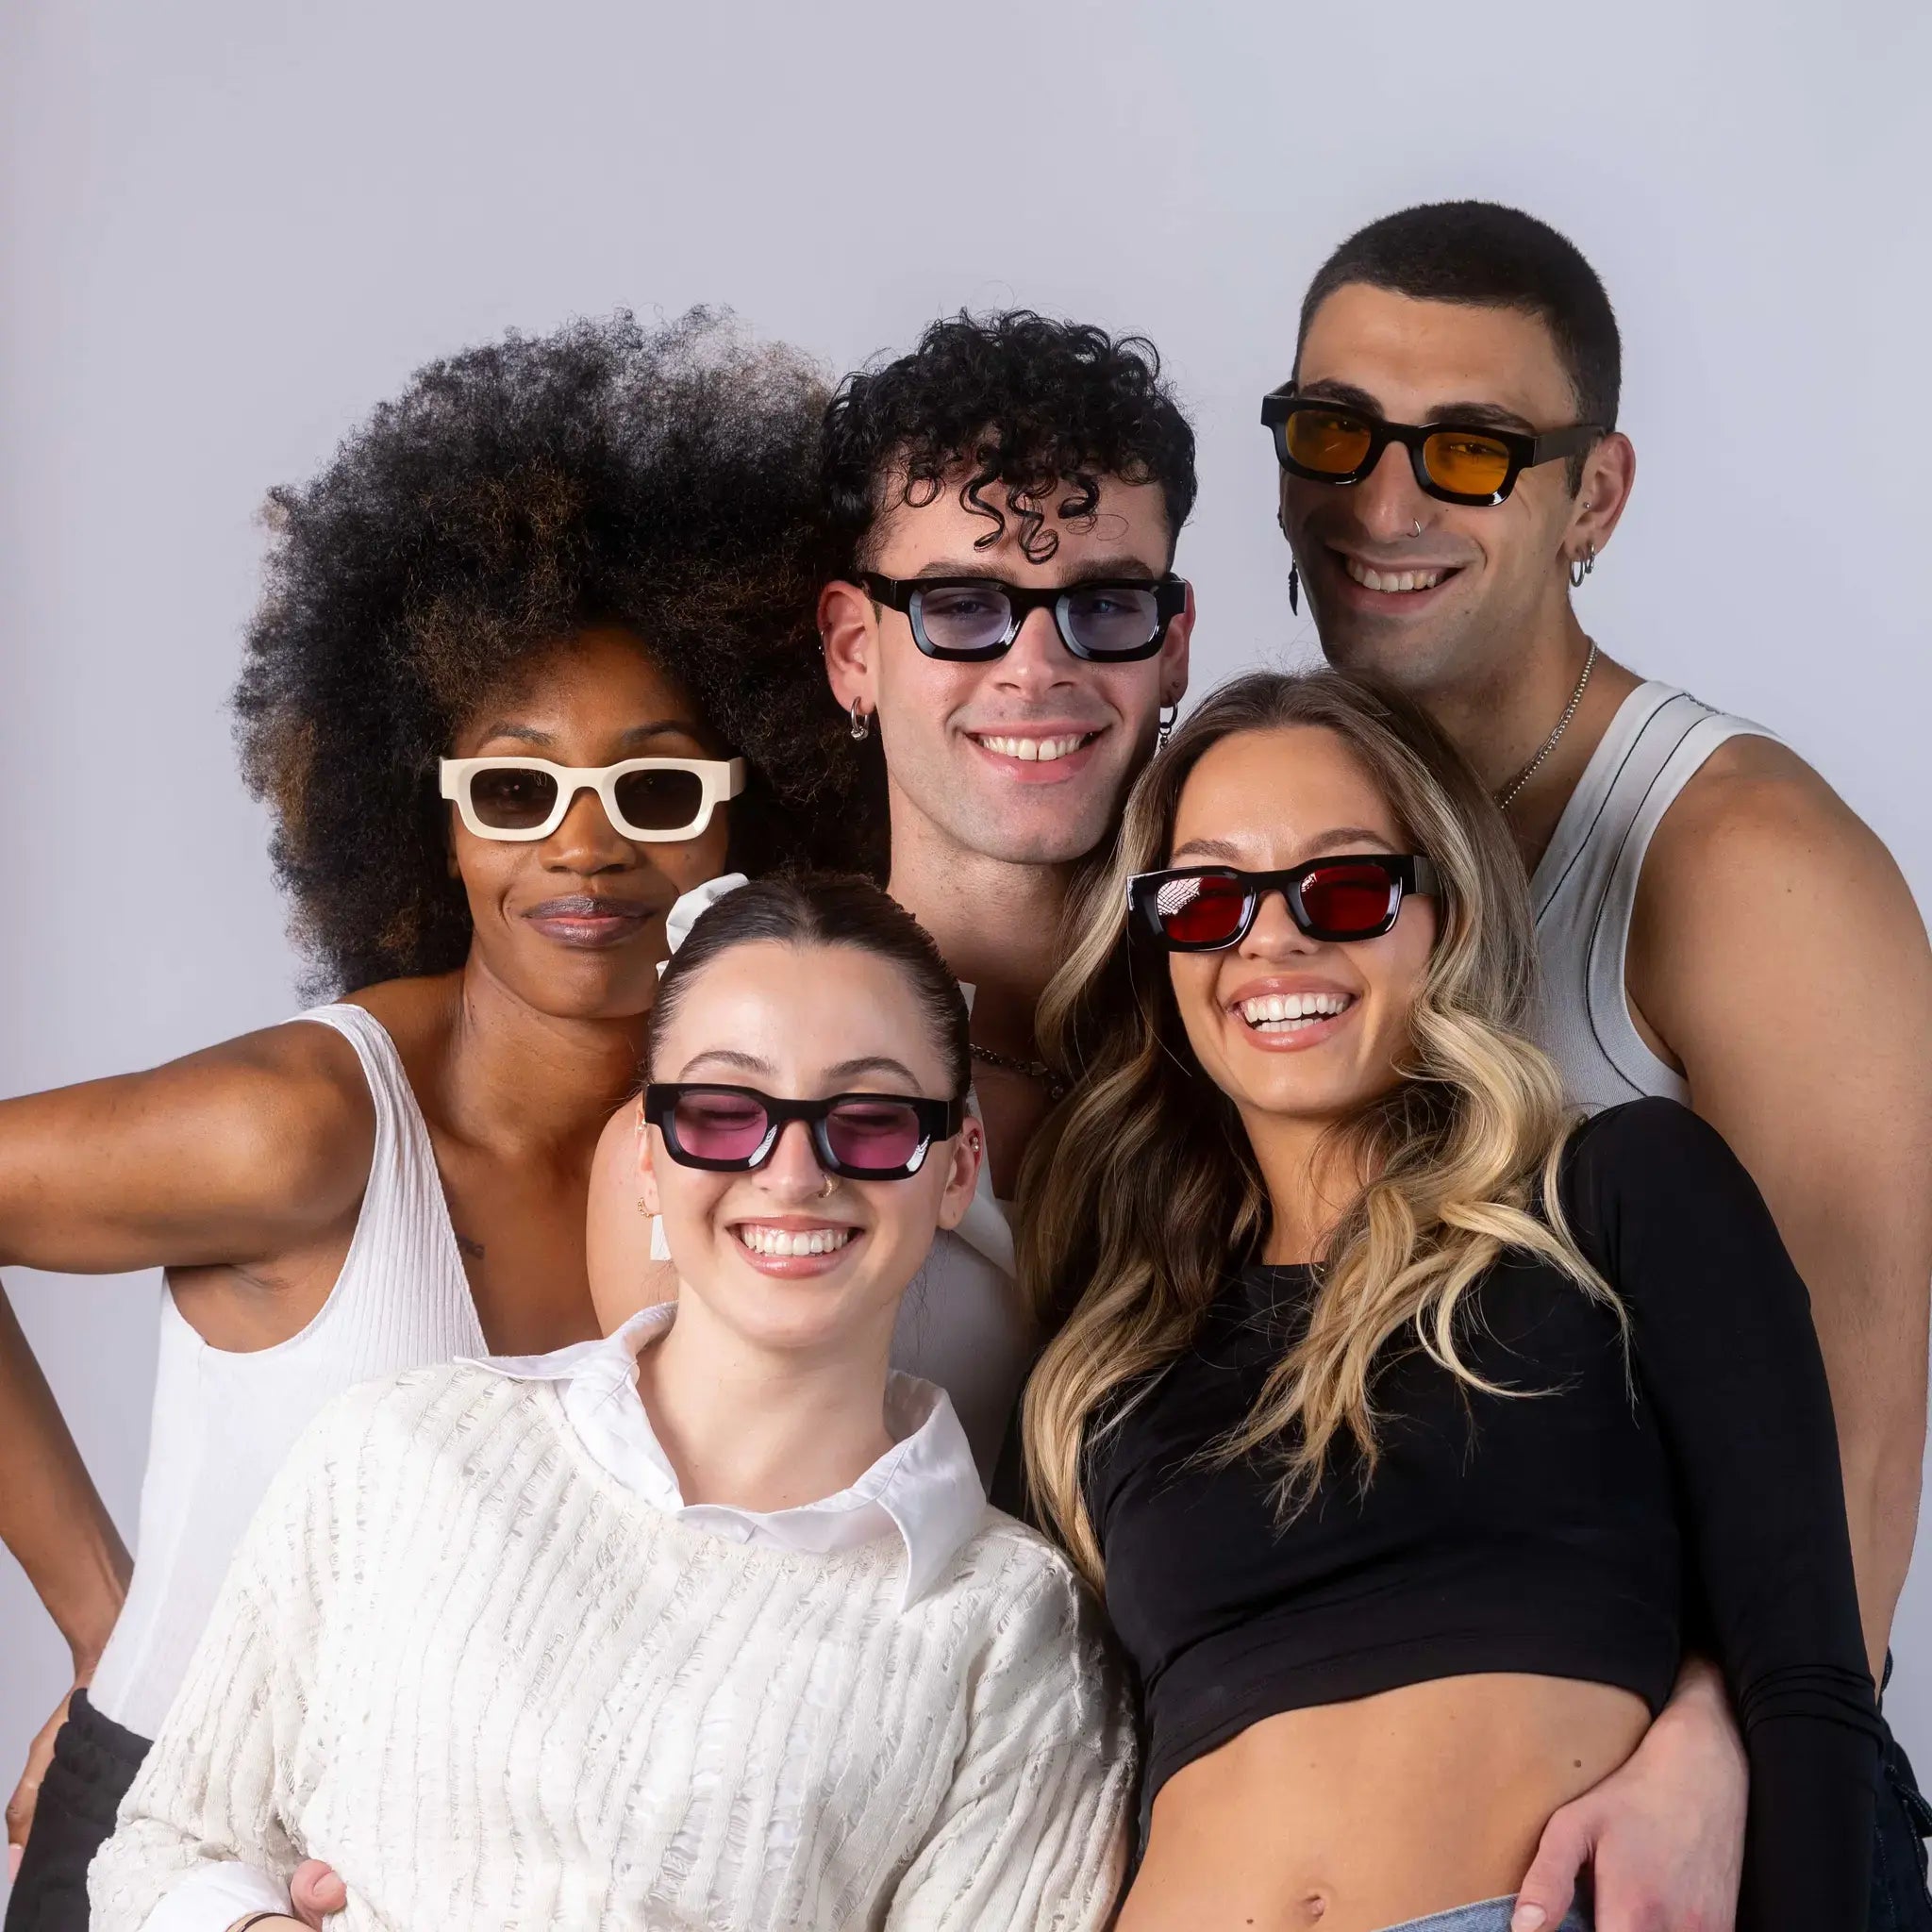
{"points": [[925, 1488]]}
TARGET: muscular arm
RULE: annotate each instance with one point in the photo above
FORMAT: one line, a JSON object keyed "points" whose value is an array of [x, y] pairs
{"points": [[238, 1156], [1777, 956]]}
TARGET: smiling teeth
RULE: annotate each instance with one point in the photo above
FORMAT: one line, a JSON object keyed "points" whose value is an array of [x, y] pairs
{"points": [[787, 1240], [1035, 750], [1294, 1008], [1393, 579]]}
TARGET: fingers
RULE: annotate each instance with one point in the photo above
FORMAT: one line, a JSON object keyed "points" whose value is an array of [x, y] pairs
{"points": [[1549, 1888], [315, 1891], [26, 1793]]}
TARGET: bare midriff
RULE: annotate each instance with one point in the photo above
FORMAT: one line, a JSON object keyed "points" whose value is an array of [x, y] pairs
{"points": [[1352, 1817]]}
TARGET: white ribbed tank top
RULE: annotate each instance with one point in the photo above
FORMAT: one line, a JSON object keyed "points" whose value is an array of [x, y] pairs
{"points": [[1585, 890], [224, 1422]]}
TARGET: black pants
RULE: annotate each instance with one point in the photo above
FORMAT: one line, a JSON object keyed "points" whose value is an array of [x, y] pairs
{"points": [[94, 1762], [1900, 1901]]}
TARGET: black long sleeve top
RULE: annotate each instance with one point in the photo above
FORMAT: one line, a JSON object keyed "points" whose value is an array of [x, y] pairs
{"points": [[1562, 1532]]}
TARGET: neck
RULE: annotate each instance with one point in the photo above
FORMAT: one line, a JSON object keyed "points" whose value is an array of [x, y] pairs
{"points": [[760, 1429], [1502, 717], [525, 1082], [1312, 1174], [997, 922]]}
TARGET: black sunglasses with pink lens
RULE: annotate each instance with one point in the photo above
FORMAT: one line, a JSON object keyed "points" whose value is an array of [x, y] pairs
{"points": [[858, 1137], [1205, 908]]}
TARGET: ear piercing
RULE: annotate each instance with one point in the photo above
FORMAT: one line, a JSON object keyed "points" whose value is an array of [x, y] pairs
{"points": [[1582, 567], [860, 729], [1164, 730]]}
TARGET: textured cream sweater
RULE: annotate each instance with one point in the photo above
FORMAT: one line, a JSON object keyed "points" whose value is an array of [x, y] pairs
{"points": [[493, 1688]]}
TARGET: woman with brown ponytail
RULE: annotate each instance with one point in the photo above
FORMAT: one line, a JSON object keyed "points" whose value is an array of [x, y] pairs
{"points": [[1399, 1417]]}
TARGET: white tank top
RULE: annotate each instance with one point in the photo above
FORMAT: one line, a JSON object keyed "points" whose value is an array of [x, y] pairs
{"points": [[1585, 890], [224, 1422]]}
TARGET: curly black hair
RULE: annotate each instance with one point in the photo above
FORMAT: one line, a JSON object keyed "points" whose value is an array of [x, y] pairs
{"points": [[662, 480], [1020, 399]]}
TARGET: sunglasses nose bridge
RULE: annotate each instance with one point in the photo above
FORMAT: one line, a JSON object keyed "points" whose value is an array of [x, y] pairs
{"points": [[793, 1167], [1390, 499], [1038, 656], [1274, 927]]}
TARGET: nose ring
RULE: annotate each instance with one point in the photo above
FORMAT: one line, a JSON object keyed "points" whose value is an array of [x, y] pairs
{"points": [[825, 1192], [1416, 528]]}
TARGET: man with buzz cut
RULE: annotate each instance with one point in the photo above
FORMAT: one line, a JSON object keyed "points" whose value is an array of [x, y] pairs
{"points": [[1006, 627], [1452, 471]]}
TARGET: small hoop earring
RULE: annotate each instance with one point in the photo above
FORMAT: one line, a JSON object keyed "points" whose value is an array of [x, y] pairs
{"points": [[1164, 730], [1582, 567], [860, 729]]}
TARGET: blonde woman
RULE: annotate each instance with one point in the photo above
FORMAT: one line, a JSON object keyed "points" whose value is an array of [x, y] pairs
{"points": [[1399, 1418]]}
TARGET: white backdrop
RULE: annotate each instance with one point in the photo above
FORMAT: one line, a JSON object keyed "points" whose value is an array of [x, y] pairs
{"points": [[231, 226]]}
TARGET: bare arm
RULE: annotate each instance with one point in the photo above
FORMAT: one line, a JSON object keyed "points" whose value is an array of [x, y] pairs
{"points": [[240, 1156], [1777, 953]]}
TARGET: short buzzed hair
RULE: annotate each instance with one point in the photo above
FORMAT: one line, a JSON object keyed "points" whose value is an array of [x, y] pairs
{"points": [[1490, 257]]}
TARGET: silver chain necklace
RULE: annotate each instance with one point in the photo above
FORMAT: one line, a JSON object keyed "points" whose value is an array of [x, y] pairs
{"points": [[1032, 1069], [1505, 799]]}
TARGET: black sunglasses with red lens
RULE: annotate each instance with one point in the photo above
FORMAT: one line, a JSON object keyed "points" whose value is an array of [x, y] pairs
{"points": [[1203, 908], [858, 1137]]}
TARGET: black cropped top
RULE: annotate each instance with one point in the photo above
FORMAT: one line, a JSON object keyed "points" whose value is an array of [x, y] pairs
{"points": [[1568, 1533]]}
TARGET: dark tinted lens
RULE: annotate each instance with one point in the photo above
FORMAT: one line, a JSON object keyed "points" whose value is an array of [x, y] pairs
{"points": [[963, 617], [660, 801], [877, 1133], [1329, 441], [512, 801], [1201, 912], [719, 1127], [1466, 461], [1110, 619], [1354, 897]]}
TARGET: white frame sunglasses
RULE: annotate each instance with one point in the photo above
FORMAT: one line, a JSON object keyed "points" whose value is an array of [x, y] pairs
{"points": [[721, 779]]}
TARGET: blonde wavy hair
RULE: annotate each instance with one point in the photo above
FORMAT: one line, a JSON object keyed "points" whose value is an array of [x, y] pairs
{"points": [[1140, 1196]]}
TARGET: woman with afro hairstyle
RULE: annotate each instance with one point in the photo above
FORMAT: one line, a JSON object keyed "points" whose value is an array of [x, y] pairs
{"points": [[536, 658]]}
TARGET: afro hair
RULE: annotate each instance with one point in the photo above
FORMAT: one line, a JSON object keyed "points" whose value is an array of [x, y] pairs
{"points": [[663, 481]]}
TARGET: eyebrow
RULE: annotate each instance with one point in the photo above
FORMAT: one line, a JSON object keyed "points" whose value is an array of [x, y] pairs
{"points": [[845, 1070], [872, 1063], [1493, 414], [1331, 840], [730, 1057], [638, 734], [1105, 570]]}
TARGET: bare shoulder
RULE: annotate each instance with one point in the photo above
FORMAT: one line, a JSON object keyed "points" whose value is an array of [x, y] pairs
{"points": [[1761, 887], [290, 1102], [1754, 837]]}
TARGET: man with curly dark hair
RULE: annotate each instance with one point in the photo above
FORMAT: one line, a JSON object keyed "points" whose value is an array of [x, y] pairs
{"points": [[532, 662], [1004, 630]]}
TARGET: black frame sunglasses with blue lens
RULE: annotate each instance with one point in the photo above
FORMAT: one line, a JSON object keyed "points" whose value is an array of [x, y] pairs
{"points": [[974, 619]]}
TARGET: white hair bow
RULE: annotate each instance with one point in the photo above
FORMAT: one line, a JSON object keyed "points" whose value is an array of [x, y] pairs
{"points": [[686, 909]]}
